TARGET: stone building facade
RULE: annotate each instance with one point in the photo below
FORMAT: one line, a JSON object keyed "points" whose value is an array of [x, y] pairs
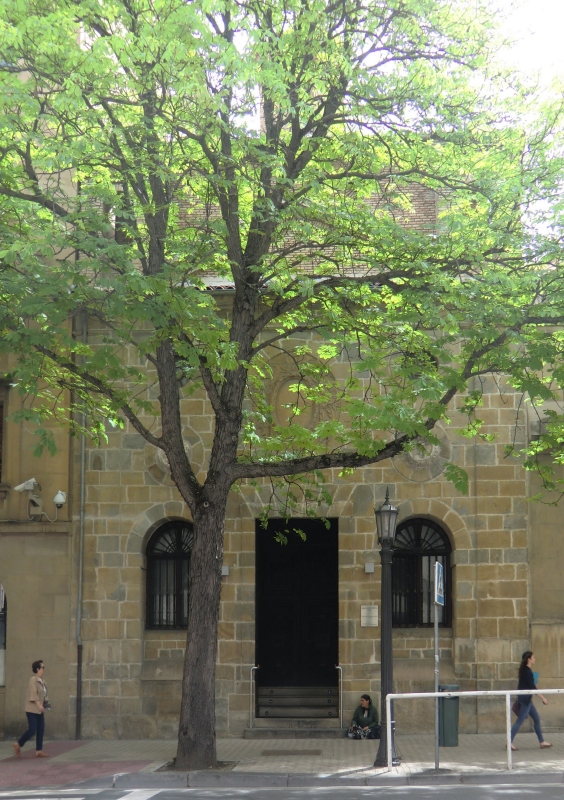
{"points": [[505, 558], [506, 591]]}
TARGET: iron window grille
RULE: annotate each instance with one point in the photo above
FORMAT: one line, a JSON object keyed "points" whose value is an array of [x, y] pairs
{"points": [[168, 565], [417, 545]]}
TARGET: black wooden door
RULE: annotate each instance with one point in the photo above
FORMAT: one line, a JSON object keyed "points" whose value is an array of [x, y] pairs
{"points": [[297, 604]]}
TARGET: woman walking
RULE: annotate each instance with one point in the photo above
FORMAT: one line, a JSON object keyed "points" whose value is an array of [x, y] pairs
{"points": [[35, 704], [526, 707]]}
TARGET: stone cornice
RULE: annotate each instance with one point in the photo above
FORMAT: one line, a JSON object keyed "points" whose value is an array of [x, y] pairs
{"points": [[30, 528]]}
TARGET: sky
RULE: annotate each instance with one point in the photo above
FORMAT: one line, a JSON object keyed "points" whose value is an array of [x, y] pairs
{"points": [[538, 28]]}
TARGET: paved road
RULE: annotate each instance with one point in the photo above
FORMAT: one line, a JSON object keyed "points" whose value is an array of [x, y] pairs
{"points": [[502, 792]]}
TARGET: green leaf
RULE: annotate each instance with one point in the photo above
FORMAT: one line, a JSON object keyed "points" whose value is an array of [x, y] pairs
{"points": [[458, 477]]}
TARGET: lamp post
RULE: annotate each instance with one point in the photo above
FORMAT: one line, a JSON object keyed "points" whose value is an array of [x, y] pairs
{"points": [[386, 518]]}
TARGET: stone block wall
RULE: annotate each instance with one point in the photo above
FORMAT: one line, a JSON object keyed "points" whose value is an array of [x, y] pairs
{"points": [[546, 559], [34, 571], [132, 676]]}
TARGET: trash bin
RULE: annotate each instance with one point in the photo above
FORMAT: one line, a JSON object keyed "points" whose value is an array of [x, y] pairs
{"points": [[448, 717]]}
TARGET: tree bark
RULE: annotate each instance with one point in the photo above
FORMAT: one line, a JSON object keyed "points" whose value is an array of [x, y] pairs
{"points": [[196, 736]]}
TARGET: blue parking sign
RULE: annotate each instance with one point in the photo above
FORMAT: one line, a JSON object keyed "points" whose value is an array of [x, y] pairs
{"points": [[439, 584]]}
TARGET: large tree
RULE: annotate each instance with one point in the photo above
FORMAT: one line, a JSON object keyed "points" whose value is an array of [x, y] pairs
{"points": [[146, 145]]}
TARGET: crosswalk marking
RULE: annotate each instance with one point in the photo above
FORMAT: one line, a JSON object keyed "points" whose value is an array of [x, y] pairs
{"points": [[45, 794], [68, 794], [84, 794]]}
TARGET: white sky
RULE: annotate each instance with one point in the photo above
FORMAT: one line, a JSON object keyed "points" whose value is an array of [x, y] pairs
{"points": [[538, 27]]}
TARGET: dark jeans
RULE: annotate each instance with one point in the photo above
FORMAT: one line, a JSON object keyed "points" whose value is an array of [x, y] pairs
{"points": [[526, 709], [36, 727]]}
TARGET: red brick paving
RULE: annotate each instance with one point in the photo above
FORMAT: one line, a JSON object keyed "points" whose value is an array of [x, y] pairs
{"points": [[28, 771], [53, 749]]}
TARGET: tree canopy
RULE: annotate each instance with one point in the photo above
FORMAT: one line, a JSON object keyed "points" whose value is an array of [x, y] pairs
{"points": [[151, 150]]}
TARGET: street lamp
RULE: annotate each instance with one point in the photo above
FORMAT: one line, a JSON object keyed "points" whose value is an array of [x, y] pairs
{"points": [[386, 519]]}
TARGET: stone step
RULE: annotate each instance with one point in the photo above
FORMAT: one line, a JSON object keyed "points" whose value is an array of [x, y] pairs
{"points": [[298, 702], [297, 711], [297, 691], [293, 733], [292, 700], [306, 722]]}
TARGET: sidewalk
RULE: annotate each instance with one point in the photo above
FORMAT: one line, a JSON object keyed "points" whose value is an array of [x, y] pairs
{"points": [[73, 762], [282, 762]]}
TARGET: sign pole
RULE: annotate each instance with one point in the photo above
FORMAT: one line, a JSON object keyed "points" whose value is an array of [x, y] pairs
{"points": [[439, 601], [436, 609]]}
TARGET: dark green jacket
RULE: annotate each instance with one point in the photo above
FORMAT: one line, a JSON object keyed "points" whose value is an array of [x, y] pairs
{"points": [[369, 720]]}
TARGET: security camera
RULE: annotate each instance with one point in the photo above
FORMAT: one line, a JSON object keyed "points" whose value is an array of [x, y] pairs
{"points": [[60, 499], [27, 486]]}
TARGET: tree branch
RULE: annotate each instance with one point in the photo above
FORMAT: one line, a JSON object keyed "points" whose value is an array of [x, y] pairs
{"points": [[100, 388], [298, 466], [37, 198]]}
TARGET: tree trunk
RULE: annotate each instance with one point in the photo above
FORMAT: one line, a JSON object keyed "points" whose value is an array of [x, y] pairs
{"points": [[196, 735]]}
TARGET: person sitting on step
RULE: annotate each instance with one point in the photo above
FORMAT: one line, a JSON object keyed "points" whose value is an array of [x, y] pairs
{"points": [[364, 723]]}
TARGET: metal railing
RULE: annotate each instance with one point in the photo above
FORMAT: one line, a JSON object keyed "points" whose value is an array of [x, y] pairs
{"points": [[507, 693], [252, 695], [340, 695]]}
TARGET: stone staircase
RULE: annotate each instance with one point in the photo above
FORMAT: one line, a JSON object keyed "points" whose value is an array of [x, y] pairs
{"points": [[296, 712]]}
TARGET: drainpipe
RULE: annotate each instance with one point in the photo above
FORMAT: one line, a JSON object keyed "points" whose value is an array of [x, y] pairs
{"points": [[80, 558]]}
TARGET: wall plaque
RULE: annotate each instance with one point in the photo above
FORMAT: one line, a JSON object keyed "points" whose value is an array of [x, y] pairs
{"points": [[369, 616]]}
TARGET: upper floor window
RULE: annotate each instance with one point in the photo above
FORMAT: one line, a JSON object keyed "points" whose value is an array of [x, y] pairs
{"points": [[168, 564], [417, 545]]}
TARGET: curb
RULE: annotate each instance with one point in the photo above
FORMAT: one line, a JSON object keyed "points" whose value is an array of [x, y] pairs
{"points": [[264, 780]]}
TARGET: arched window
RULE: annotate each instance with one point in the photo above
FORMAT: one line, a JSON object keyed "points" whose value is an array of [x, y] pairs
{"points": [[168, 563], [417, 545]]}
